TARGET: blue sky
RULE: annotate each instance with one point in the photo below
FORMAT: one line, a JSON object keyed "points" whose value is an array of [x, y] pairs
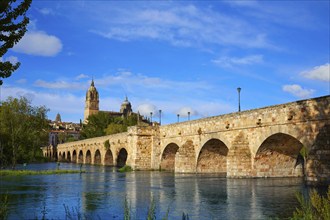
{"points": [[177, 56]]}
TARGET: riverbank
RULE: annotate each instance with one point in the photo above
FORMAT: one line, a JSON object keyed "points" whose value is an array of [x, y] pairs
{"points": [[37, 172]]}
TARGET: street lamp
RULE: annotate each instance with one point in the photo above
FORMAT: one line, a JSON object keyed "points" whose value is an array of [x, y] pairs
{"points": [[160, 116], [151, 117], [239, 98], [178, 117], [188, 116]]}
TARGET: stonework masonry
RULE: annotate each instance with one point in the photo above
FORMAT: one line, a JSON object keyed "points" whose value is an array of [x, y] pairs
{"points": [[263, 142]]}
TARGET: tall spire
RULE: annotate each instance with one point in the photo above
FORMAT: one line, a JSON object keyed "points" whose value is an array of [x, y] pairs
{"points": [[92, 84]]}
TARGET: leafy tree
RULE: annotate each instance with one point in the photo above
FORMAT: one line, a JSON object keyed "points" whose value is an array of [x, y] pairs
{"points": [[24, 128], [103, 123], [13, 22], [96, 125]]}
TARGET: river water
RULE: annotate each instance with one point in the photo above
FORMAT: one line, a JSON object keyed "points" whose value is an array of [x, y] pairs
{"points": [[100, 194]]}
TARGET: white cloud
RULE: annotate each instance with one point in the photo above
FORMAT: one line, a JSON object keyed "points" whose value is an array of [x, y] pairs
{"points": [[226, 61], [11, 59], [46, 11], [60, 85], [66, 104], [39, 43], [146, 108], [321, 73], [180, 25], [298, 91], [184, 111], [81, 76]]}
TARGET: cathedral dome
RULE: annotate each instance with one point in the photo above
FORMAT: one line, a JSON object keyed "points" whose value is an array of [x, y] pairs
{"points": [[126, 107]]}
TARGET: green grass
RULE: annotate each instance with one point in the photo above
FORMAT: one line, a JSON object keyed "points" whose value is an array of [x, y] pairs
{"points": [[36, 172]]}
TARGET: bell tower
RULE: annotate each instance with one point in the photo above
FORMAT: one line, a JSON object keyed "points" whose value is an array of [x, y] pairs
{"points": [[91, 102]]}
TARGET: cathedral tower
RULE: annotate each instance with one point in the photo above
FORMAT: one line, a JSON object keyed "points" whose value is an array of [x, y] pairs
{"points": [[92, 102]]}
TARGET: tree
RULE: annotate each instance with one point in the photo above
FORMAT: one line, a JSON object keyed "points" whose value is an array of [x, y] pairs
{"points": [[96, 125], [103, 123], [24, 128], [13, 23]]}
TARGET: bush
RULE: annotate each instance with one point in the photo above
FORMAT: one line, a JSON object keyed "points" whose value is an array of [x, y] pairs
{"points": [[315, 207]]}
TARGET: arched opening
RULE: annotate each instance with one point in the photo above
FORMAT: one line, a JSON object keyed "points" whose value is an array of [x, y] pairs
{"points": [[122, 157], [168, 157], [212, 157], [74, 156], [69, 156], [108, 158], [97, 157], [63, 156], [279, 156], [88, 157], [81, 157]]}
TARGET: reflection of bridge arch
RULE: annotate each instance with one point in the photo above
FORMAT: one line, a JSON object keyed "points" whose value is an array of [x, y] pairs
{"points": [[97, 157], [212, 157], [81, 157], [88, 159], [108, 158], [69, 156], [74, 156], [168, 157], [278, 156], [122, 157]]}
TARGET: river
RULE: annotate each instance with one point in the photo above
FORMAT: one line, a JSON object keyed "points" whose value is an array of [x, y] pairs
{"points": [[100, 194]]}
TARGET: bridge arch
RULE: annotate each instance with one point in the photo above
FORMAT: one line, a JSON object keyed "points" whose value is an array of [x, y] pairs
{"points": [[168, 157], [108, 158], [74, 156], [212, 157], [69, 156], [279, 156], [81, 157], [63, 156], [88, 159], [122, 157], [97, 157]]}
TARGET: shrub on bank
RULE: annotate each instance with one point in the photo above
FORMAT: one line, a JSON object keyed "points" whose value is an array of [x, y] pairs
{"points": [[315, 207]]}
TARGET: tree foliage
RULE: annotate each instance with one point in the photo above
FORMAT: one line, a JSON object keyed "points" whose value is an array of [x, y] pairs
{"points": [[23, 130], [13, 23], [103, 123]]}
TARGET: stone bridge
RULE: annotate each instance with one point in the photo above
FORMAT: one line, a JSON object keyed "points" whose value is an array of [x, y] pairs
{"points": [[287, 140]]}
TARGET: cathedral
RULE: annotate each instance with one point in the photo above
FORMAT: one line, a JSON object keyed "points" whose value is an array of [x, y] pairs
{"points": [[92, 105]]}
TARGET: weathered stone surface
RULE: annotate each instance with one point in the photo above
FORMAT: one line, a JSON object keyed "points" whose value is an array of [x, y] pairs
{"points": [[257, 143]]}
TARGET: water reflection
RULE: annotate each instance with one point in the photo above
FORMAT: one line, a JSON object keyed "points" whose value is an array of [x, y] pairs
{"points": [[101, 191]]}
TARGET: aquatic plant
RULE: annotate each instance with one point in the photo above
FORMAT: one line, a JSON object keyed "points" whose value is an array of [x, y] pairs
{"points": [[127, 211], [4, 210], [125, 168], [314, 207]]}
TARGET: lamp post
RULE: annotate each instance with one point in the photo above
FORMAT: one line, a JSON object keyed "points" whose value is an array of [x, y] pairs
{"points": [[239, 98], [178, 117], [160, 116], [188, 116], [151, 117]]}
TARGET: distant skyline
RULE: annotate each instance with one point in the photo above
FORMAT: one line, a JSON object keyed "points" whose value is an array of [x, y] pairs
{"points": [[177, 56]]}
